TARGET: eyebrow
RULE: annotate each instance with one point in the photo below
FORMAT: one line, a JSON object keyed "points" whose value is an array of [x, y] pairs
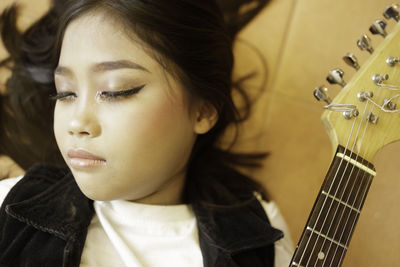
{"points": [[103, 66], [64, 71], [114, 65]]}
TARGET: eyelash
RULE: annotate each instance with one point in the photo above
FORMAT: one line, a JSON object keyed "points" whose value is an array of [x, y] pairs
{"points": [[106, 95]]}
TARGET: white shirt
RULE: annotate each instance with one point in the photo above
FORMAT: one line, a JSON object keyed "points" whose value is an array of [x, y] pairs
{"points": [[124, 233]]}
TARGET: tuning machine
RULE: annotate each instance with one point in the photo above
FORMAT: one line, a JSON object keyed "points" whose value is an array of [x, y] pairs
{"points": [[392, 61], [351, 60], [389, 104], [364, 43], [321, 94], [378, 27], [336, 77], [348, 111], [380, 78], [392, 12]]}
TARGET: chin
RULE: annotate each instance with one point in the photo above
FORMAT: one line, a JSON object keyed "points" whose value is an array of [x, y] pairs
{"points": [[95, 195], [104, 193], [94, 192]]}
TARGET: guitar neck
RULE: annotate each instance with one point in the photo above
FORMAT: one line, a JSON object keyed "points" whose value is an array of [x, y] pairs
{"points": [[335, 213]]}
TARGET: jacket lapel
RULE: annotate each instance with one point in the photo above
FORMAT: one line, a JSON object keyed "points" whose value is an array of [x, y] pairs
{"points": [[49, 200], [60, 207], [226, 232]]}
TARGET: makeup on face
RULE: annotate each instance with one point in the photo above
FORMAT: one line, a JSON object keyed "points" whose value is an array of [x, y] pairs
{"points": [[120, 122], [100, 95], [107, 73], [82, 159]]}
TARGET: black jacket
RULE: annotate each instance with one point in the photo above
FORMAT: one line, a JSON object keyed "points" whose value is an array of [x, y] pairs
{"points": [[45, 217]]}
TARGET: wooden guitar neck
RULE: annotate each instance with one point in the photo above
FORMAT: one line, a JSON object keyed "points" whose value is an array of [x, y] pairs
{"points": [[332, 221]]}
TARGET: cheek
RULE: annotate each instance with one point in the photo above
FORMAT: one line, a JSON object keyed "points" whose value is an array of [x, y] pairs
{"points": [[61, 125], [153, 119], [58, 124], [150, 131]]}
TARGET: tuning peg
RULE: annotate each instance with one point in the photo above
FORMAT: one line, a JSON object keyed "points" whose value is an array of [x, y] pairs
{"points": [[378, 27], [380, 78], [388, 104], [321, 94], [391, 61], [392, 12], [336, 77], [351, 60], [364, 43], [372, 118]]}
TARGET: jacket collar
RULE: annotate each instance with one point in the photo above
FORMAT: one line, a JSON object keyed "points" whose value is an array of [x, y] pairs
{"points": [[57, 207], [60, 208], [236, 228], [226, 231]]}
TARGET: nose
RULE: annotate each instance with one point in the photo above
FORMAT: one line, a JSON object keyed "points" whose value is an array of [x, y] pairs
{"points": [[84, 123]]}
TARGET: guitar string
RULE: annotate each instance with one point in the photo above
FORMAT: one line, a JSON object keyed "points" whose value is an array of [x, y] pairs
{"points": [[370, 177], [339, 222], [361, 202], [353, 204], [390, 87], [340, 198], [319, 214], [326, 197], [369, 182], [351, 191], [336, 190], [335, 217], [311, 234], [382, 108], [355, 219], [361, 187]]}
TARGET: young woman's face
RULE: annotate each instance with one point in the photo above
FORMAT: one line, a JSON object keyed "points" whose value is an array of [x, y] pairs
{"points": [[121, 122]]}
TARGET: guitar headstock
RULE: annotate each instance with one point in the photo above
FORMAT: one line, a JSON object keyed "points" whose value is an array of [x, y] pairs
{"points": [[365, 115]]}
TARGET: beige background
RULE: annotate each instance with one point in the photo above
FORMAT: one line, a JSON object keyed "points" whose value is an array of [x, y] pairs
{"points": [[301, 41]]}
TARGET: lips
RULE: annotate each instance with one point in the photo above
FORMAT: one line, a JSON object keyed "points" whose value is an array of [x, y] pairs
{"points": [[82, 159]]}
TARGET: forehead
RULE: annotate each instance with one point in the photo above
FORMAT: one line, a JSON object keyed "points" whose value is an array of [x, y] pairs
{"points": [[97, 38], [101, 37]]}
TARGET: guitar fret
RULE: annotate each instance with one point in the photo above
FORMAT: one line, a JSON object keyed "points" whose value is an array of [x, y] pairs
{"points": [[341, 202], [346, 182], [356, 163], [332, 219], [326, 237], [320, 252], [336, 210]]}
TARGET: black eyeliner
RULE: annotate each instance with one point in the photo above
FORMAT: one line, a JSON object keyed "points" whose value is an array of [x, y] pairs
{"points": [[124, 93], [60, 95]]}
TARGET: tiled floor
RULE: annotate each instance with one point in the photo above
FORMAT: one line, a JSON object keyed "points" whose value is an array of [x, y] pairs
{"points": [[301, 40]]}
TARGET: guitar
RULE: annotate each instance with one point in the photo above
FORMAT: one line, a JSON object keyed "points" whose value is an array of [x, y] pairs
{"points": [[361, 119]]}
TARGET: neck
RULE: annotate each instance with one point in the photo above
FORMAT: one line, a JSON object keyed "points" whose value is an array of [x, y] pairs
{"points": [[170, 193], [335, 213]]}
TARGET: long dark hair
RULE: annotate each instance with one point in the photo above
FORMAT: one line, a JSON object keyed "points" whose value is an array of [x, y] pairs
{"points": [[26, 114], [190, 36]]}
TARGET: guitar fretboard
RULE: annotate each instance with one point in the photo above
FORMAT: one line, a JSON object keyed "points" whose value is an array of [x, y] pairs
{"points": [[335, 213]]}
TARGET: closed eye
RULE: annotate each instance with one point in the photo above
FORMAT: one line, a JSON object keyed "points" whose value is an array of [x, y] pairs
{"points": [[111, 95], [63, 96], [104, 95]]}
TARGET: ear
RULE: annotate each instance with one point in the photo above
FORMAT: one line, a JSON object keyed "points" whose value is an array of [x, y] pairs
{"points": [[205, 118]]}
